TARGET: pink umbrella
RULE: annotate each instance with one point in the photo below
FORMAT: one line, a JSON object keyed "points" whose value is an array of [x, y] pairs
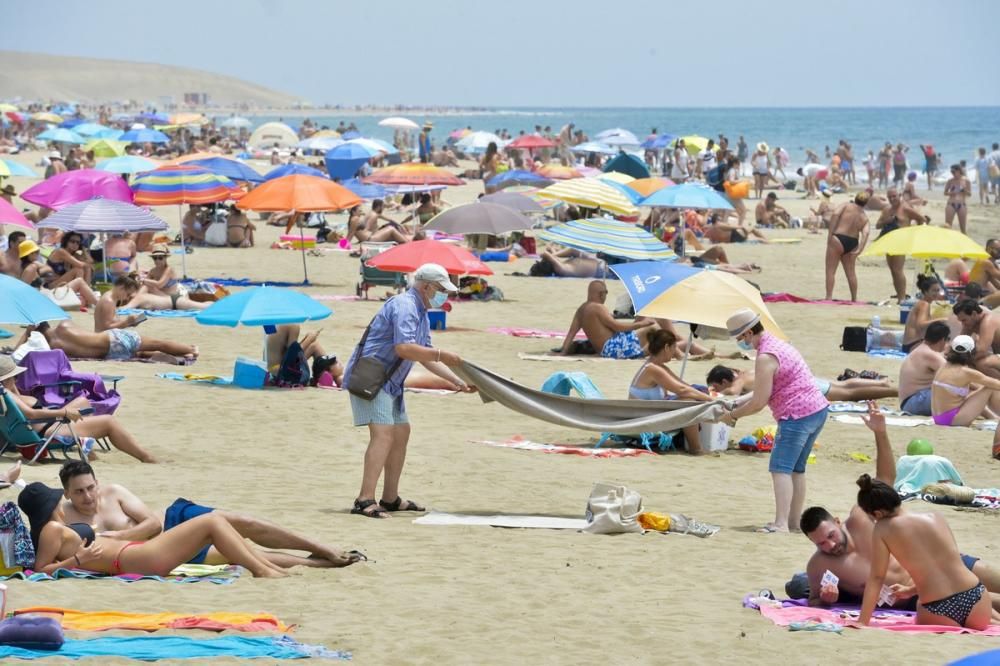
{"points": [[75, 186], [11, 215]]}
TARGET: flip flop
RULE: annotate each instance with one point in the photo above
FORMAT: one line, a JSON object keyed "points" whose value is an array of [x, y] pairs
{"points": [[768, 529], [360, 507], [399, 504]]}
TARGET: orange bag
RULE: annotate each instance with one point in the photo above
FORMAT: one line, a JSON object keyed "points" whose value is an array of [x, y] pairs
{"points": [[738, 190]]}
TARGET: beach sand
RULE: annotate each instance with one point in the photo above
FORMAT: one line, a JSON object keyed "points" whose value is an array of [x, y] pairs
{"points": [[483, 595]]}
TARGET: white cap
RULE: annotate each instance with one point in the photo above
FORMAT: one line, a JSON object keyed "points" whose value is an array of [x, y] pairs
{"points": [[435, 273], [963, 344]]}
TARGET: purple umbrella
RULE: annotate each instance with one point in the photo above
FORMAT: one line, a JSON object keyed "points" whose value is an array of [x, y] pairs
{"points": [[74, 186]]}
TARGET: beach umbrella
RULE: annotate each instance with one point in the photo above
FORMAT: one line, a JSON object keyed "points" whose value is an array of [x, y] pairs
{"points": [[89, 129], [611, 237], [12, 216], [22, 304], [71, 123], [365, 190], [103, 216], [617, 137], [414, 173], [630, 194], [105, 147], [293, 170], [60, 135], [594, 147], [410, 256], [397, 122], [152, 117], [688, 195], [109, 133], [187, 119], [658, 141], [477, 142], [46, 117], [378, 145], [558, 172], [530, 142], [144, 136], [182, 184], [513, 200], [646, 186], [591, 193], [320, 143], [684, 293], [616, 177], [236, 122], [12, 168], [517, 177], [7, 108], [479, 218], [127, 164], [231, 169], [299, 194], [926, 242], [81, 185], [344, 161], [627, 164], [263, 306], [191, 157], [694, 143]]}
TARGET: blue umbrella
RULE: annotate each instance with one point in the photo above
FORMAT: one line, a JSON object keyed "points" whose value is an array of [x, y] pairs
{"points": [[231, 169], [109, 133], [22, 304], [61, 135], [629, 165], [518, 177], [988, 658], [263, 306], [144, 136], [293, 170], [18, 169], [632, 195], [127, 164], [688, 195], [365, 190], [88, 129], [351, 134], [344, 161], [157, 118], [71, 123], [350, 151], [657, 141]]}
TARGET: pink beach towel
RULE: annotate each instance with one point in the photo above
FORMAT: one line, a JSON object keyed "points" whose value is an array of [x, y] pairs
{"points": [[533, 332], [891, 621], [782, 297], [518, 442]]}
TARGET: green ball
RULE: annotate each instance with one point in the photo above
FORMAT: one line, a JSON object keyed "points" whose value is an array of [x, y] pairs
{"points": [[919, 447]]}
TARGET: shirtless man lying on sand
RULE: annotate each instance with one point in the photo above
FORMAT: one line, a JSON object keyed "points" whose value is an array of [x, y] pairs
{"points": [[845, 548], [116, 344], [613, 338], [116, 513]]}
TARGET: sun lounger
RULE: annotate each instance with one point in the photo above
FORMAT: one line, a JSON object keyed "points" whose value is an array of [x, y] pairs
{"points": [[16, 433]]}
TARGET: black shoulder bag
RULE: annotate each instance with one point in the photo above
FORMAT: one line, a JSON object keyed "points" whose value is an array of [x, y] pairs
{"points": [[368, 374]]}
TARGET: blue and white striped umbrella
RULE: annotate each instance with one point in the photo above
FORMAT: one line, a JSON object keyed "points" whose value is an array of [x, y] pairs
{"points": [[611, 237], [103, 215]]}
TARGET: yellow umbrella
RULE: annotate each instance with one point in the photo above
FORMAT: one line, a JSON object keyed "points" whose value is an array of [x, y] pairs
{"points": [[590, 193], [694, 143], [926, 242], [105, 147], [46, 117], [188, 119], [322, 133], [4, 108], [616, 177]]}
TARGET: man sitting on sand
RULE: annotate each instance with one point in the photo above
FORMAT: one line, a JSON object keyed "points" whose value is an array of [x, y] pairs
{"points": [[845, 548], [985, 272], [116, 344], [916, 374], [769, 214], [984, 327], [613, 338], [115, 512]]}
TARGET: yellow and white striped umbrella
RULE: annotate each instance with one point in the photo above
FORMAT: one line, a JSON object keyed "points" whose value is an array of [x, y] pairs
{"points": [[616, 177], [590, 193]]}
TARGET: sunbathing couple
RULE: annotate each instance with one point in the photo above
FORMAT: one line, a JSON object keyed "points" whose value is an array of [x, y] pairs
{"points": [[915, 555], [364, 227], [105, 529]]}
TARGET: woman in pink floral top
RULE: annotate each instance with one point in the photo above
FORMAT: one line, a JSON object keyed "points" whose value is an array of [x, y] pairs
{"points": [[784, 383]]}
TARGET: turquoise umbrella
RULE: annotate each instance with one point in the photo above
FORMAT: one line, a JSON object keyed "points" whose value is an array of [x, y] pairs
{"points": [[263, 306], [61, 135], [127, 164], [22, 304], [12, 168]]}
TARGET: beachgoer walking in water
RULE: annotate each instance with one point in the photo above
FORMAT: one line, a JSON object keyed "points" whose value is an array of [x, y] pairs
{"points": [[959, 189]]}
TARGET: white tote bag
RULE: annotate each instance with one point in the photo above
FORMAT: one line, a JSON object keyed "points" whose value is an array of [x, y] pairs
{"points": [[613, 510]]}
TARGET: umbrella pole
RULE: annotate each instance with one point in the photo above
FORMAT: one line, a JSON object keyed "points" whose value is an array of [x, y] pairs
{"points": [[184, 269], [302, 247], [683, 252], [104, 242], [687, 350]]}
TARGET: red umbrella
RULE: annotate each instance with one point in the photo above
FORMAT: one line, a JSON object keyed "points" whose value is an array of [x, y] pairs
{"points": [[531, 141], [409, 257]]}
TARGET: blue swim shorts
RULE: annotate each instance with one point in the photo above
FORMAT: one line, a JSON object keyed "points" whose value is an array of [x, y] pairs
{"points": [[181, 511], [918, 404], [123, 344], [623, 345]]}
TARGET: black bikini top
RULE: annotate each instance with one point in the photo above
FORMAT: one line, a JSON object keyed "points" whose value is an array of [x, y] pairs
{"points": [[84, 531]]}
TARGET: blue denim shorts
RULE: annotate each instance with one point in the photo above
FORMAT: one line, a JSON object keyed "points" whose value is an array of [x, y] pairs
{"points": [[794, 441], [919, 403]]}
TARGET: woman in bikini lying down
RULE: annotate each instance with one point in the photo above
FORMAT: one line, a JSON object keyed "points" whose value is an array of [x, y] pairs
{"points": [[959, 393], [731, 381], [76, 546]]}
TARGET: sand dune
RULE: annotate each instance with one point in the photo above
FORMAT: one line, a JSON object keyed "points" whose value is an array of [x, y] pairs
{"points": [[43, 76]]}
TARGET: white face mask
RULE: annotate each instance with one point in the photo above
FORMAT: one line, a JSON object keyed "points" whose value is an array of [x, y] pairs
{"points": [[744, 345], [439, 298]]}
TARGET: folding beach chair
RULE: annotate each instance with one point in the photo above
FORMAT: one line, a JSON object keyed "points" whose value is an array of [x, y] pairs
{"points": [[51, 380], [374, 277], [16, 433]]}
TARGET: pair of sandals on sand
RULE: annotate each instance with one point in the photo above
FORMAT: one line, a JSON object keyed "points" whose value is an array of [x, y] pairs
{"points": [[382, 509]]}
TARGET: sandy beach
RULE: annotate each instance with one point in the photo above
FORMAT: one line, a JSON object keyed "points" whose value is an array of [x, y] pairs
{"points": [[478, 595]]}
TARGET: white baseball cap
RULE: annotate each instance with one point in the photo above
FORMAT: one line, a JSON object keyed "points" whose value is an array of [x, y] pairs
{"points": [[435, 273], [963, 344]]}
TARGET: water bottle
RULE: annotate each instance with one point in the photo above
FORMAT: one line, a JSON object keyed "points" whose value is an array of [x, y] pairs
{"points": [[876, 321]]}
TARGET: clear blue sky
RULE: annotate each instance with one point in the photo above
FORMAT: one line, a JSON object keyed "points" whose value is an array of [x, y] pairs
{"points": [[553, 53]]}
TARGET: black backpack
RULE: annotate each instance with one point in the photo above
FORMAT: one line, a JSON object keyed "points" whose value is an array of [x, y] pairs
{"points": [[855, 339], [715, 177], [294, 370]]}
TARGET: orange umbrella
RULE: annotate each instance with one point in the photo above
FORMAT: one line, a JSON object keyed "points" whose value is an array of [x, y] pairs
{"points": [[188, 119], [302, 194], [646, 186], [558, 172], [414, 173]]}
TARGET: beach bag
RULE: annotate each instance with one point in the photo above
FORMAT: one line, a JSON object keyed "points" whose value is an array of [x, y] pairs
{"points": [[715, 178], [855, 339], [613, 510], [63, 296], [368, 374], [217, 235], [294, 370], [994, 171], [737, 190]]}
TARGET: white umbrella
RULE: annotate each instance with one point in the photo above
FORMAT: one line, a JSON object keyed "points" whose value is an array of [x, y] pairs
{"points": [[397, 122], [476, 142], [594, 147], [236, 122], [375, 145], [323, 143], [618, 137]]}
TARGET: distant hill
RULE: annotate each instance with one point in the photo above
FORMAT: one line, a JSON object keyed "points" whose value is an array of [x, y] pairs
{"points": [[39, 76]]}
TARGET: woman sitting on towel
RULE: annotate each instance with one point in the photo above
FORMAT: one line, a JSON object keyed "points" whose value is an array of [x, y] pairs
{"points": [[161, 290], [731, 381], [76, 546], [919, 318], [655, 381], [959, 393]]}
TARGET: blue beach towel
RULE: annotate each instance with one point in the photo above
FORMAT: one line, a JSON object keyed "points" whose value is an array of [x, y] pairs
{"points": [[185, 573], [203, 379], [154, 648], [157, 313], [887, 353], [4, 334]]}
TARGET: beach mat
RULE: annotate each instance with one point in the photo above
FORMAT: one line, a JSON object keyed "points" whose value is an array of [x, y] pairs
{"points": [[560, 358], [532, 332], [533, 522], [219, 380], [247, 282], [793, 612], [783, 297], [166, 314], [913, 421], [337, 297], [155, 648], [76, 620], [518, 442], [220, 574]]}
